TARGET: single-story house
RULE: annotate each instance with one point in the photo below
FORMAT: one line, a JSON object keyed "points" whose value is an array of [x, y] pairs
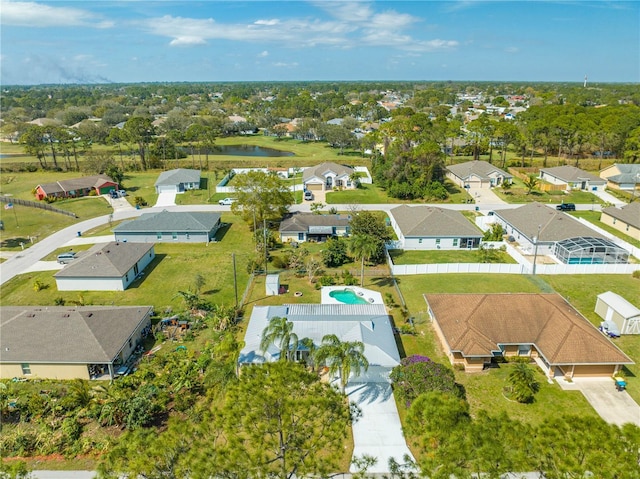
{"points": [[170, 226], [622, 176], [106, 267], [558, 234], [430, 228], [327, 176], [620, 316], [625, 219], [367, 323], [62, 342], [178, 180], [572, 178], [101, 184], [302, 227], [477, 174], [476, 328]]}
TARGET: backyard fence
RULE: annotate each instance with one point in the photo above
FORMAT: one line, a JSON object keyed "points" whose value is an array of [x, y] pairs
{"points": [[34, 204]]}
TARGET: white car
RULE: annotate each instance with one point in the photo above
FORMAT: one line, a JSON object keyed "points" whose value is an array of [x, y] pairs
{"points": [[226, 202]]}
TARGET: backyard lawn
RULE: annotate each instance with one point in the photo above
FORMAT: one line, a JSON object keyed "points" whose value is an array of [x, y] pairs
{"points": [[518, 194], [594, 217], [174, 269], [400, 256]]}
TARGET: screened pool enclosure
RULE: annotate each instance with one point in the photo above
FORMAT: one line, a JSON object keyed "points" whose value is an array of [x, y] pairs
{"points": [[587, 250]]}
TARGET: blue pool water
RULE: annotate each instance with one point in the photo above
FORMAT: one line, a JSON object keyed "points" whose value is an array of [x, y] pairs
{"points": [[347, 297]]}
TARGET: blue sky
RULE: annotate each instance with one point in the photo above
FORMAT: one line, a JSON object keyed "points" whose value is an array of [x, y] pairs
{"points": [[142, 41]]}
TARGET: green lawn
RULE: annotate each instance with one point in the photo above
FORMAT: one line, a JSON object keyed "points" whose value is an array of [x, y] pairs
{"points": [[444, 256], [518, 194], [581, 291], [173, 269], [594, 217]]}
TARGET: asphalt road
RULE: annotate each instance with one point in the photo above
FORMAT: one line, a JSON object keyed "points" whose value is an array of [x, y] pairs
{"points": [[22, 261]]}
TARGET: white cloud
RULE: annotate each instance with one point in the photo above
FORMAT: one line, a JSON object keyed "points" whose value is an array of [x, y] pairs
{"points": [[263, 54], [273, 21], [512, 50], [285, 65], [32, 14]]}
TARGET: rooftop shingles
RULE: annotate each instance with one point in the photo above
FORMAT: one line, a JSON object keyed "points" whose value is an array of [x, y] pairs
{"points": [[111, 260], [476, 324], [431, 221]]}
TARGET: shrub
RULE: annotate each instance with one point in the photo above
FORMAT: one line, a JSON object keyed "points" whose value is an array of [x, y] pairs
{"points": [[636, 274], [279, 262], [140, 201], [327, 280], [419, 374], [59, 301]]}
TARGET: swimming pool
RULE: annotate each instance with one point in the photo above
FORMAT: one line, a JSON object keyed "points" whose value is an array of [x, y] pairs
{"points": [[347, 296]]}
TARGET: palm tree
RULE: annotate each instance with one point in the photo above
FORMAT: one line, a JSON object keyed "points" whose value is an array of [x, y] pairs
{"points": [[523, 383], [280, 333], [342, 357], [362, 247]]}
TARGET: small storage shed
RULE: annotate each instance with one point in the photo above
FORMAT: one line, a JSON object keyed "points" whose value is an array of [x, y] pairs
{"points": [[273, 284], [613, 308]]}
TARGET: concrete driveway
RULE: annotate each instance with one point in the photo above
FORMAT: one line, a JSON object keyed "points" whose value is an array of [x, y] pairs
{"points": [[378, 432], [166, 198], [484, 196], [615, 407]]}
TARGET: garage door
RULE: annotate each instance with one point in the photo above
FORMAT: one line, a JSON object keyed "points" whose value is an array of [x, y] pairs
{"points": [[593, 371], [314, 187], [166, 188]]}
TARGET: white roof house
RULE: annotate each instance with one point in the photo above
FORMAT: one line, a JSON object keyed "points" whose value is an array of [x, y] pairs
{"points": [[367, 323], [178, 180]]}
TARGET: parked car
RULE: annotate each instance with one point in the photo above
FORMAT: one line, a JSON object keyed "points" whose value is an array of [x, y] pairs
{"points": [[308, 195], [566, 207], [226, 201], [65, 258], [122, 193]]}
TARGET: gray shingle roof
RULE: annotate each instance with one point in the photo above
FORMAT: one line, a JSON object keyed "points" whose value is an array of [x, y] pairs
{"points": [[171, 221], [111, 260], [300, 222], [629, 214], [476, 324], [62, 334], [320, 170], [177, 176], [572, 174], [480, 168], [555, 225], [428, 221], [629, 173]]}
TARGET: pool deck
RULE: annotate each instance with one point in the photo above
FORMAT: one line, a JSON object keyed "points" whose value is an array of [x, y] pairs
{"points": [[373, 297]]}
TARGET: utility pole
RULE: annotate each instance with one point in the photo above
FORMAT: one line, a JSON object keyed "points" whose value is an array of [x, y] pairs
{"points": [[264, 235]]}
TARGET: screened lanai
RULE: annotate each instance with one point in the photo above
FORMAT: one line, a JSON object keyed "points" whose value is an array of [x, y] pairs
{"points": [[588, 250]]}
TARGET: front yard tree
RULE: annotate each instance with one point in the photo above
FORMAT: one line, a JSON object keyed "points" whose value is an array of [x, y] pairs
{"points": [[260, 196], [342, 357], [280, 333], [531, 182], [522, 383], [278, 417]]}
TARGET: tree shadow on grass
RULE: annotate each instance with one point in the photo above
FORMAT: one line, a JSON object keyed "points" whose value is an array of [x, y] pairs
{"points": [[14, 242]]}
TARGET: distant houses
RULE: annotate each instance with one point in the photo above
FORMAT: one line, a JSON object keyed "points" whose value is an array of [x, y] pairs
{"points": [[477, 174], [301, 227], [328, 176], [100, 184], [572, 178]]}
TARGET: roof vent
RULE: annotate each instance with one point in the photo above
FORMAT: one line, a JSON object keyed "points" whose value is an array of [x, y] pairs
{"points": [[31, 315]]}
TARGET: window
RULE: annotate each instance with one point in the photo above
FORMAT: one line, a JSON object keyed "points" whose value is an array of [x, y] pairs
{"points": [[135, 269], [159, 236], [437, 240], [419, 240], [614, 221], [524, 350], [188, 236], [174, 236], [455, 241], [26, 369], [126, 277], [300, 236], [627, 228]]}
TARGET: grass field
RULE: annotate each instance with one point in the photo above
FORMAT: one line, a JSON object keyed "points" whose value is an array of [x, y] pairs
{"points": [[173, 270], [444, 256], [518, 194], [594, 217]]}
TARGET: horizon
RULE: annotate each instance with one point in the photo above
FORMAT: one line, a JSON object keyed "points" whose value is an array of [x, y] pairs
{"points": [[105, 42]]}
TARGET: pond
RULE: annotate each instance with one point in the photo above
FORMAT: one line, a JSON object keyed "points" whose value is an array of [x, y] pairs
{"points": [[248, 150]]}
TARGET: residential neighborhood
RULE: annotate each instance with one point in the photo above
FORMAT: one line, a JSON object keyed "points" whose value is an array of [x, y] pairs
{"points": [[352, 270]]}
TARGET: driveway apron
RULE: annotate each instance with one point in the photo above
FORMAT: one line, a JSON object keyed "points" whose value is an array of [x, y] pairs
{"points": [[615, 407], [166, 198], [378, 432]]}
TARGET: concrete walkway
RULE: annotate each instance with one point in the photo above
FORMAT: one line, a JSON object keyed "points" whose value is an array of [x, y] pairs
{"points": [[378, 432], [609, 198]]}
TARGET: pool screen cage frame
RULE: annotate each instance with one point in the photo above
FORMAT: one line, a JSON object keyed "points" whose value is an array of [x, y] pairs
{"points": [[590, 250]]}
